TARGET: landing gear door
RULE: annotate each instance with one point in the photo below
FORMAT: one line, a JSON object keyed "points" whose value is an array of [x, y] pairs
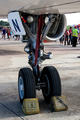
{"points": [[16, 23]]}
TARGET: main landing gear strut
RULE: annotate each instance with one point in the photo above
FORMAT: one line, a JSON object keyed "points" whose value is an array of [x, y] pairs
{"points": [[46, 79]]}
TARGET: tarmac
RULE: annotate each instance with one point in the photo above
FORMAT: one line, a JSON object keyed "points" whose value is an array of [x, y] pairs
{"points": [[13, 57]]}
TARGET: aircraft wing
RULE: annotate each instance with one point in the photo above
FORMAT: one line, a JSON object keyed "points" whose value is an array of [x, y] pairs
{"points": [[39, 6]]}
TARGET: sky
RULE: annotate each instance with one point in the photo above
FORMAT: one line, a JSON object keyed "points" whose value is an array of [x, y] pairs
{"points": [[4, 19], [72, 19]]}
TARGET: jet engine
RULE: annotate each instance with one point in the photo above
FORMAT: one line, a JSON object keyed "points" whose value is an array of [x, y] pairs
{"points": [[57, 29]]}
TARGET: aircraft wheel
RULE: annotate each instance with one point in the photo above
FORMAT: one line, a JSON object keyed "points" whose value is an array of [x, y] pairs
{"points": [[26, 84], [52, 81]]}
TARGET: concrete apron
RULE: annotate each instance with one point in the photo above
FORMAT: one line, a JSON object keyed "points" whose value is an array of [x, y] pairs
{"points": [[13, 57]]}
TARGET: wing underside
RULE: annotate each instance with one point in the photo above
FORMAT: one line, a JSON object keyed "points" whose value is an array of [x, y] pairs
{"points": [[39, 6]]}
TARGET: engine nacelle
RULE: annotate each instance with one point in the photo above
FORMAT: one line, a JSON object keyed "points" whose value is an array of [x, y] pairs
{"points": [[57, 29]]}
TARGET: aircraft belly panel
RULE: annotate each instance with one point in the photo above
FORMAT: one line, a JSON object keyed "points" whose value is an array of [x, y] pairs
{"points": [[39, 6]]}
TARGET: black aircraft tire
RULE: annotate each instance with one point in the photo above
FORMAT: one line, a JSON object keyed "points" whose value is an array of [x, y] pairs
{"points": [[53, 84], [26, 84]]}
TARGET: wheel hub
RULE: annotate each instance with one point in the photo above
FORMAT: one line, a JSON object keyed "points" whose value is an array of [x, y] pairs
{"points": [[21, 87], [46, 90]]}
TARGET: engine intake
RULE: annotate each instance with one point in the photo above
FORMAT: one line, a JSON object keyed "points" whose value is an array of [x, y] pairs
{"points": [[57, 29]]}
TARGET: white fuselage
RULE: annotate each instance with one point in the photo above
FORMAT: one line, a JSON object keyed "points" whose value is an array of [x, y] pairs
{"points": [[39, 6]]}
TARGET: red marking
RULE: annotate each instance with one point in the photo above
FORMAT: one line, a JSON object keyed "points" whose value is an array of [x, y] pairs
{"points": [[45, 41], [38, 38], [23, 19]]}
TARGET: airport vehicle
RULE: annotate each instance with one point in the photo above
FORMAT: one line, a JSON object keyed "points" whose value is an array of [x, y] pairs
{"points": [[38, 20]]}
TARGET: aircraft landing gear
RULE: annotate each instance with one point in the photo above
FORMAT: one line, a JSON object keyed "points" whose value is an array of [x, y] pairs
{"points": [[47, 79]]}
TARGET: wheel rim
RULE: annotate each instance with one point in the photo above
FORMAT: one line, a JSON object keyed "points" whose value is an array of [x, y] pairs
{"points": [[21, 87], [46, 90]]}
